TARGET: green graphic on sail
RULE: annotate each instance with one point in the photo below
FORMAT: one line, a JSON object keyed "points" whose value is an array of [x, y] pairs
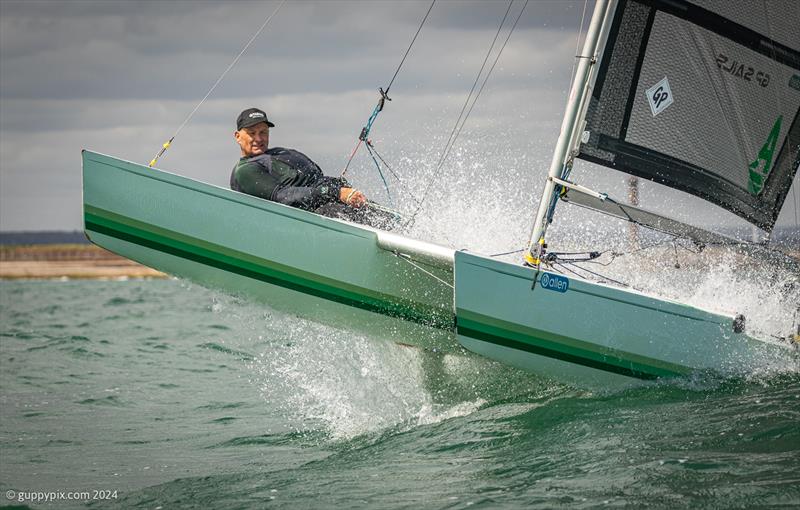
{"points": [[759, 173]]}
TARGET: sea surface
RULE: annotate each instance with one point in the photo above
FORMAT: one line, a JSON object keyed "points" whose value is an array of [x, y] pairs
{"points": [[162, 394]]}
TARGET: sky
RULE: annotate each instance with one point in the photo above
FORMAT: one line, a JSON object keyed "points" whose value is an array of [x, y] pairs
{"points": [[120, 76]]}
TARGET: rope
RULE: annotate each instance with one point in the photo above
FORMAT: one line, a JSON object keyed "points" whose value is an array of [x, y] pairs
{"points": [[486, 78], [474, 84], [507, 253], [456, 128], [407, 191], [602, 277], [394, 174], [384, 97], [380, 172], [554, 259], [404, 218], [235, 60], [564, 268], [408, 259], [409, 46]]}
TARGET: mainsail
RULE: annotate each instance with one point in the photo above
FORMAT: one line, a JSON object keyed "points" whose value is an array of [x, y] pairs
{"points": [[702, 96]]}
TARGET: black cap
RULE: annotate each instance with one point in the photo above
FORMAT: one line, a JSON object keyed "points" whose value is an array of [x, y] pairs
{"points": [[251, 117]]}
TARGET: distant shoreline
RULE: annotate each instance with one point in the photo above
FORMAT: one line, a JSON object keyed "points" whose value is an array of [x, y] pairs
{"points": [[86, 261], [68, 261]]}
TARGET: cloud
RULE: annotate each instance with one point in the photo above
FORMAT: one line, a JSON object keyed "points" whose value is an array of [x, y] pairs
{"points": [[160, 51], [119, 77]]}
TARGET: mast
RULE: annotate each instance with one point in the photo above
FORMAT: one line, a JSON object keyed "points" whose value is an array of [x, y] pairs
{"points": [[573, 118]]}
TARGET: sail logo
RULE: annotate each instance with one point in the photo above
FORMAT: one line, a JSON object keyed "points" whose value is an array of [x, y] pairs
{"points": [[659, 96], [740, 70], [554, 282], [760, 168]]}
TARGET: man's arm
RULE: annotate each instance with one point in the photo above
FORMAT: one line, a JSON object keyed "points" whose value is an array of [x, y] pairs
{"points": [[324, 190], [254, 179]]}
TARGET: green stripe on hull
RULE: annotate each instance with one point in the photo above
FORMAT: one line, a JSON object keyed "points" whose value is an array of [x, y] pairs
{"points": [[112, 225], [562, 348]]}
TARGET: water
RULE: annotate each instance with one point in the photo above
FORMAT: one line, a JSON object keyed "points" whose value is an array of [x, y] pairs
{"points": [[175, 396]]}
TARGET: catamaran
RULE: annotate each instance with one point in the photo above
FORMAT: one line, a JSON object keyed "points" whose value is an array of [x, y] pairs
{"points": [[700, 96]]}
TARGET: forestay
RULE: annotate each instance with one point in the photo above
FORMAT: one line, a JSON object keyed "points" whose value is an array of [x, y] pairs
{"points": [[702, 96]]}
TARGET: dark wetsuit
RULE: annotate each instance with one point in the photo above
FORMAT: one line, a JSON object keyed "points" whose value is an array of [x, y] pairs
{"points": [[286, 176], [290, 177]]}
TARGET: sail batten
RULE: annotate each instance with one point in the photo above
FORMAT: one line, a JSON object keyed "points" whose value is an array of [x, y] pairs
{"points": [[702, 96]]}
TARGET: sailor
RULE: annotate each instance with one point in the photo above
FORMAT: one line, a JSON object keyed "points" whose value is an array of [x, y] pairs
{"points": [[289, 176]]}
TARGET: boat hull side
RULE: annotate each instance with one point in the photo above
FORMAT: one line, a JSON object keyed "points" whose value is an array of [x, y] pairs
{"points": [[296, 261], [589, 334]]}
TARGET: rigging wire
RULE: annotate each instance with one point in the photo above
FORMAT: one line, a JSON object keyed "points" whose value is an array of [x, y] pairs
{"points": [[405, 188], [409, 46], [456, 128], [371, 147], [559, 263], [384, 97], [380, 172], [405, 219], [486, 78], [555, 259], [507, 253], [405, 257], [602, 277], [447, 145], [577, 46], [592, 256], [168, 143]]}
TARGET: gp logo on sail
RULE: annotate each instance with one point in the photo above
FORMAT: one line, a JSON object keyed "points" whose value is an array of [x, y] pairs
{"points": [[659, 96], [554, 282]]}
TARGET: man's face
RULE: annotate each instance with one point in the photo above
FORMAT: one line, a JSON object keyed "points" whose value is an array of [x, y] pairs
{"points": [[253, 140]]}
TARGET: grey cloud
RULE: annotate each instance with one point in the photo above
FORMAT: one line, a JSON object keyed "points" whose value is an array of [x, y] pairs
{"points": [[155, 52], [118, 77], [111, 71]]}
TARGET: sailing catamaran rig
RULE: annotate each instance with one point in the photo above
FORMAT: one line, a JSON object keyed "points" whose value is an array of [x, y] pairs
{"points": [[656, 93]]}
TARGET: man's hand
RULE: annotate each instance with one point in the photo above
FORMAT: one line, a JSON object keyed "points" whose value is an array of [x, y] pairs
{"points": [[352, 197]]}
